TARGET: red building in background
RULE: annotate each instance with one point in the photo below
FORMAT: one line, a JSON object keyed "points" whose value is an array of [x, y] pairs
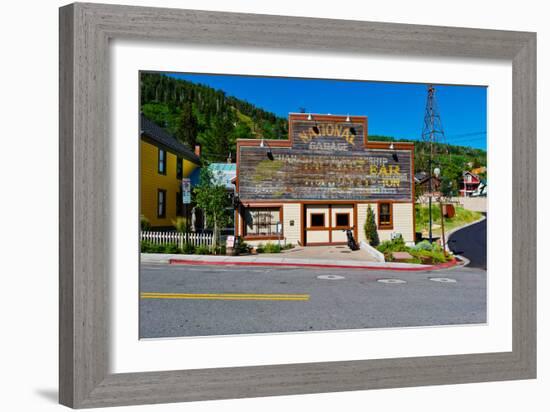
{"points": [[470, 183]]}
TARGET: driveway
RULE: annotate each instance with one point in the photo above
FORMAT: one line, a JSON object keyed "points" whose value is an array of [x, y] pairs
{"points": [[336, 252], [471, 242]]}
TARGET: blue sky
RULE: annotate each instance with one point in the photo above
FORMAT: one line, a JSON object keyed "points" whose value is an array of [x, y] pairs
{"points": [[393, 109]]}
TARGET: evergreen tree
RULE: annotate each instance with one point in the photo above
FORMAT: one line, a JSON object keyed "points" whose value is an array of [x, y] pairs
{"points": [[218, 140], [371, 233], [187, 125]]}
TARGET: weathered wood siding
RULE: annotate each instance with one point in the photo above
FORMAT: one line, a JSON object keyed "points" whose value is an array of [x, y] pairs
{"points": [[297, 174]]}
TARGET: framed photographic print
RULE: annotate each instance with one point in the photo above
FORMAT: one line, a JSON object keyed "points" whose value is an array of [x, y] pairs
{"points": [[262, 205]]}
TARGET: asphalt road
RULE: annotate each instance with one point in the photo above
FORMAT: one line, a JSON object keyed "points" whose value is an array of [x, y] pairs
{"points": [[471, 242], [224, 300]]}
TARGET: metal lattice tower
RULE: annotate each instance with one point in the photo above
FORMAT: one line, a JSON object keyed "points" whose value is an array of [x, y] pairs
{"points": [[432, 132]]}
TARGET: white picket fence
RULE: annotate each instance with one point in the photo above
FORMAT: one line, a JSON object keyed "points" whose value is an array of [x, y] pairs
{"points": [[163, 238]]}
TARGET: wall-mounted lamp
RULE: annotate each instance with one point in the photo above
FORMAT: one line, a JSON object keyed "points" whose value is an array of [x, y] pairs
{"points": [[263, 144], [309, 117], [391, 146]]}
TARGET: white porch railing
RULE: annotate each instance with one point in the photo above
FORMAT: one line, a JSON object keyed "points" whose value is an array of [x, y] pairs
{"points": [[164, 238]]}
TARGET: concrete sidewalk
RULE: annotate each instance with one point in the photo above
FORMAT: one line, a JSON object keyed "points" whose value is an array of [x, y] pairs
{"points": [[258, 260]]}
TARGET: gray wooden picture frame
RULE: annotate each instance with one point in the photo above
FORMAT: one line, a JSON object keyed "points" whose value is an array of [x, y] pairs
{"points": [[85, 31]]}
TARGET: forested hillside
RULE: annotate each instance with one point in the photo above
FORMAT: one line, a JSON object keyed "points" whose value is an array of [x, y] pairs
{"points": [[196, 113]]}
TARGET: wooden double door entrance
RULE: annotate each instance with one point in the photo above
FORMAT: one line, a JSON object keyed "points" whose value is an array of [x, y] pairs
{"points": [[325, 224]]}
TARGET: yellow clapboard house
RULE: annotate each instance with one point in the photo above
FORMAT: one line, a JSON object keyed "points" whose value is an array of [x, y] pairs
{"points": [[164, 161]]}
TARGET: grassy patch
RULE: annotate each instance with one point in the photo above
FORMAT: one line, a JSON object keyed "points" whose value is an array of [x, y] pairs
{"points": [[461, 218]]}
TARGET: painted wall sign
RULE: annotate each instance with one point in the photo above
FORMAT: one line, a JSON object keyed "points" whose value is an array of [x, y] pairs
{"points": [[303, 174], [327, 136]]}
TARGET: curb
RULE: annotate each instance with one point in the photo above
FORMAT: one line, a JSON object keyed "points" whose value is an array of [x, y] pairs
{"points": [[445, 265]]}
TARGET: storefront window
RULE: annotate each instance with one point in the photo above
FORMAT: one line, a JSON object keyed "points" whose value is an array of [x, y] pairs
{"points": [[342, 219], [385, 215], [261, 221], [317, 220]]}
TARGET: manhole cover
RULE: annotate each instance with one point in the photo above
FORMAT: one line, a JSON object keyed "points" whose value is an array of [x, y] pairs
{"points": [[330, 277], [444, 280], [392, 281]]}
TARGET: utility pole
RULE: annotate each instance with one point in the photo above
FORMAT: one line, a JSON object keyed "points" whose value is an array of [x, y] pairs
{"points": [[432, 132]]}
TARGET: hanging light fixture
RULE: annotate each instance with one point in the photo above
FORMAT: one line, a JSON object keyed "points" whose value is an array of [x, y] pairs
{"points": [[391, 146], [348, 119], [309, 117]]}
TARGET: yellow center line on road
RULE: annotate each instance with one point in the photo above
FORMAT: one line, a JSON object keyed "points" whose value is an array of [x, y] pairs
{"points": [[224, 296]]}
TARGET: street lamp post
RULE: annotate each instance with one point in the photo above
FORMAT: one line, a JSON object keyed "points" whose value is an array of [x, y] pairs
{"points": [[437, 172]]}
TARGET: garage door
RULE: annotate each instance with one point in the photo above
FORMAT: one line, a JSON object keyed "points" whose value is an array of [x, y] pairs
{"points": [[325, 224]]}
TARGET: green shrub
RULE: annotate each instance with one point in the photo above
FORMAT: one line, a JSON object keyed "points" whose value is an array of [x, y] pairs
{"points": [[430, 256], [202, 250], [149, 247], [188, 249], [394, 245], [268, 248], [144, 223], [371, 232], [145, 246], [220, 250], [181, 224], [287, 246], [242, 246], [169, 248], [424, 245]]}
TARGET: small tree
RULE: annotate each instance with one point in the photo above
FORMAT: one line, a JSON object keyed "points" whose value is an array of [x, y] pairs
{"points": [[212, 198], [370, 228]]}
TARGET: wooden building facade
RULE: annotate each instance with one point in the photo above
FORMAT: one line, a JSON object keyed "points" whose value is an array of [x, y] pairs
{"points": [[309, 189], [164, 162]]}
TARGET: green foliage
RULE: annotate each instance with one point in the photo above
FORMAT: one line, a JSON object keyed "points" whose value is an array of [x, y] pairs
{"points": [[422, 252], [243, 247], [188, 249], [461, 218], [144, 223], [202, 250], [187, 125], [218, 141], [171, 248], [371, 232], [149, 247], [269, 248], [219, 250], [214, 202], [194, 112], [424, 245], [394, 245], [181, 224], [430, 256]]}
